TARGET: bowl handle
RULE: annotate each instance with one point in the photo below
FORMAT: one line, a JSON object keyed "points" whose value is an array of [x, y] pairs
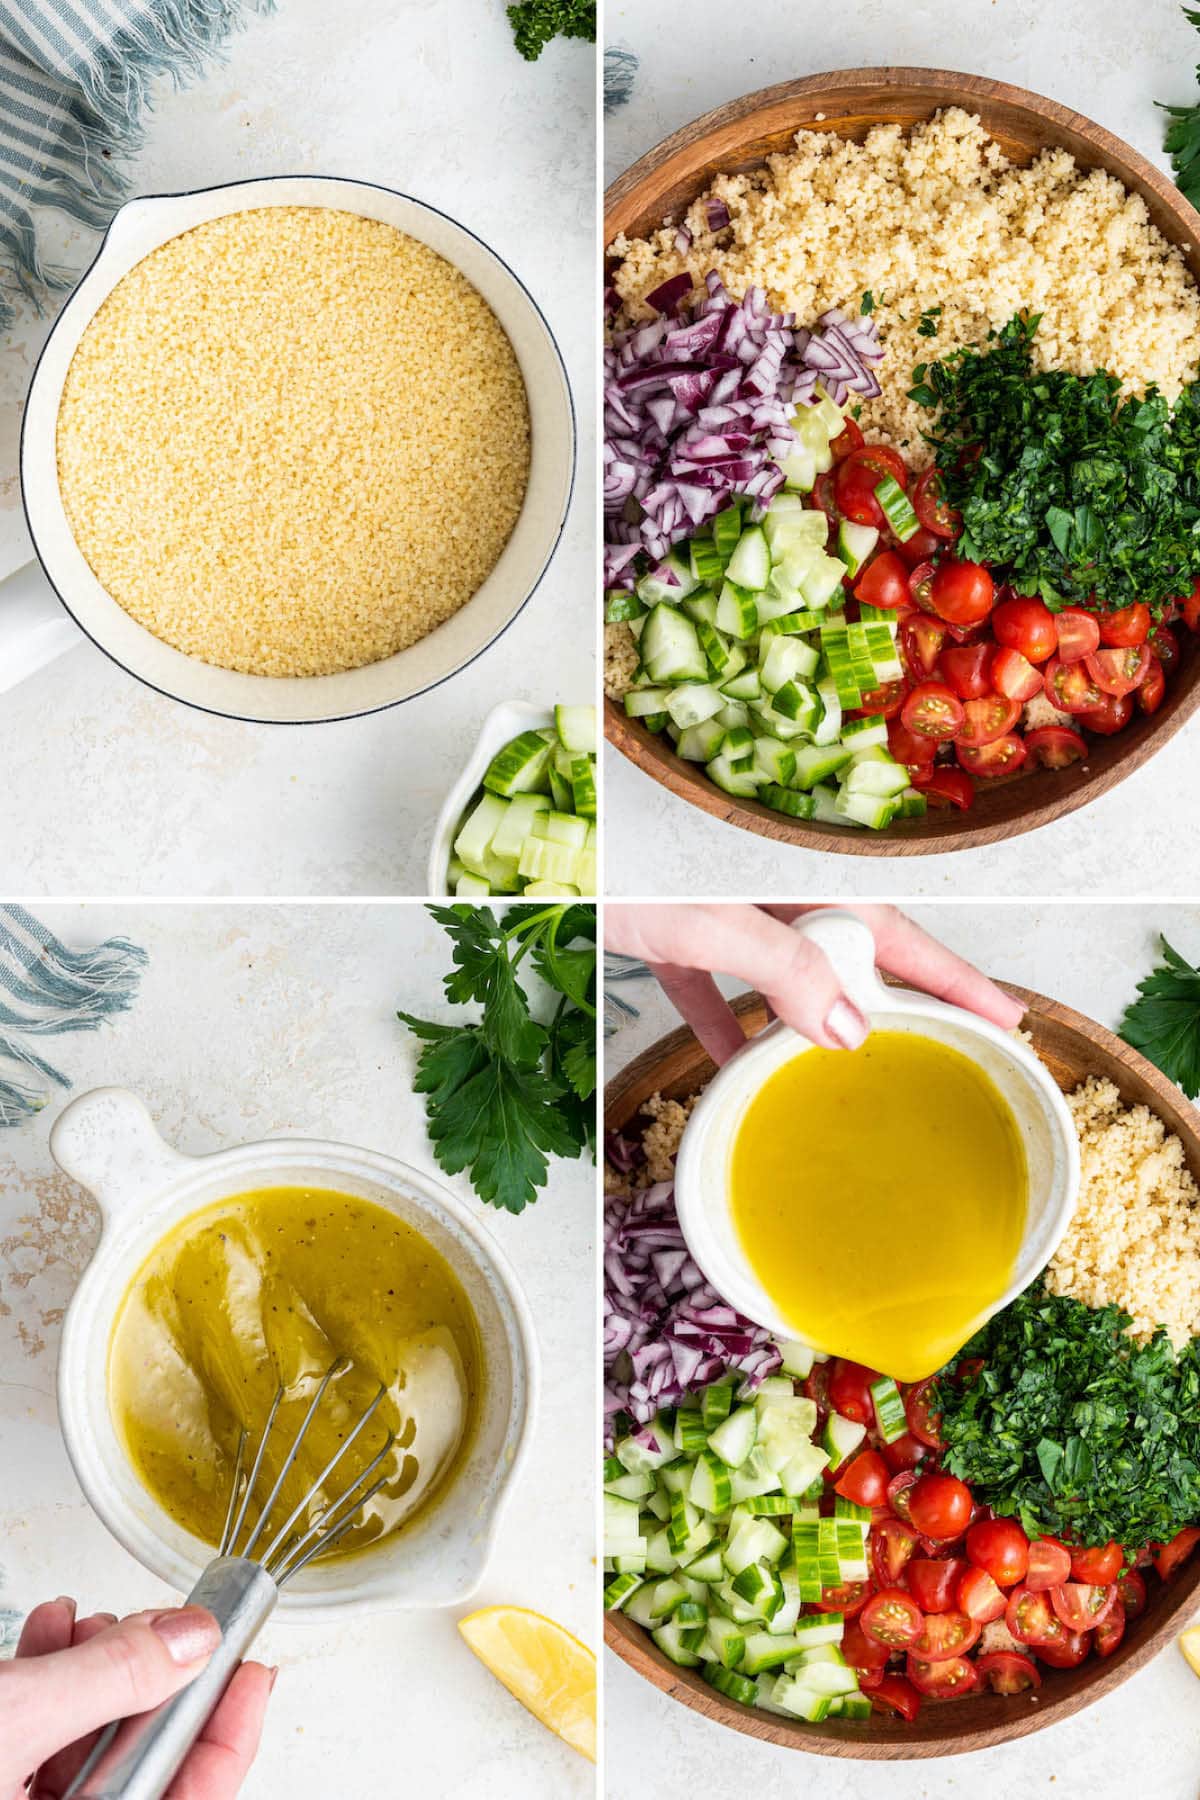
{"points": [[35, 627], [849, 946], [107, 1141]]}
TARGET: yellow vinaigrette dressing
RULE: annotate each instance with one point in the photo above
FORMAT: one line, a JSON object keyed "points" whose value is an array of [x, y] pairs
{"points": [[271, 1288], [879, 1195]]}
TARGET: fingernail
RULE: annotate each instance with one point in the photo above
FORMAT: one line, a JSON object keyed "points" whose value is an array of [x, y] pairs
{"points": [[188, 1634], [65, 1600], [846, 1025], [274, 1679]]}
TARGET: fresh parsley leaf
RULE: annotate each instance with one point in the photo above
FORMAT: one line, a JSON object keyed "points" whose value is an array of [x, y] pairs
{"points": [[927, 323], [923, 394], [1181, 140], [1164, 1024], [536, 22], [867, 303]]}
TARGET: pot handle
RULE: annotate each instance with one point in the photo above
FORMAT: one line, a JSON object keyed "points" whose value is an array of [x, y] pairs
{"points": [[107, 1141], [35, 627], [849, 945]]}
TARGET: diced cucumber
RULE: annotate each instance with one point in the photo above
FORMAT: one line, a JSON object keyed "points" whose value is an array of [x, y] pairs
{"points": [[890, 1415], [471, 887], [732, 1685], [727, 529], [725, 1643], [850, 1706], [670, 647], [621, 608], [619, 1591], [816, 763], [752, 1540], [715, 1403], [700, 742], [767, 1650], [642, 703], [855, 543], [628, 1486], [867, 809], [773, 760], [622, 1525], [671, 580], [559, 890], [865, 734], [475, 834], [787, 528], [679, 1644], [583, 786], [576, 727], [739, 781], [710, 1485], [701, 608], [745, 685], [911, 805], [692, 703], [738, 745], [737, 611], [520, 767], [705, 559], [897, 508], [517, 824], [561, 828], [787, 659], [786, 800], [734, 1437], [841, 1438], [798, 1358], [708, 1567], [876, 778], [750, 564], [652, 1447], [725, 655]]}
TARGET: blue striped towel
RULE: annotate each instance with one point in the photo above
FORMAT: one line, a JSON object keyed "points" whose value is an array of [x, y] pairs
{"points": [[45, 990], [74, 81]]}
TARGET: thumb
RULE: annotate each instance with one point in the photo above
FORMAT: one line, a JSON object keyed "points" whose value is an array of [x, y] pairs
{"points": [[51, 1701]]}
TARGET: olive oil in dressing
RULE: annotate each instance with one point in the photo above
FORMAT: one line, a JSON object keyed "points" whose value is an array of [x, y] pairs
{"points": [[270, 1288], [879, 1195]]}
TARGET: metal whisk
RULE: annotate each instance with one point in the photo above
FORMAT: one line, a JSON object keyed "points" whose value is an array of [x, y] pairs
{"points": [[137, 1759]]}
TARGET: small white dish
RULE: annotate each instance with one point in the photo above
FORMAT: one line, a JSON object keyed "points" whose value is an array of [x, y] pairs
{"points": [[107, 1141], [505, 721], [702, 1186]]}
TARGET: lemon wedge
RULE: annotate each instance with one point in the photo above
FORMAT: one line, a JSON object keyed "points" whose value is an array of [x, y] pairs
{"points": [[1189, 1643], [543, 1666]]}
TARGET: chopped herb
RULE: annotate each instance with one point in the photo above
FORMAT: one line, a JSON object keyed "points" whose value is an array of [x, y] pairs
{"points": [[504, 1094], [536, 22], [856, 411], [927, 324], [1073, 1428], [1164, 1024], [867, 303], [1181, 140], [1080, 495]]}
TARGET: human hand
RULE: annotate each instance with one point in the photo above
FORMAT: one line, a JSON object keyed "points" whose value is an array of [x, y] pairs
{"points": [[685, 945], [71, 1677]]}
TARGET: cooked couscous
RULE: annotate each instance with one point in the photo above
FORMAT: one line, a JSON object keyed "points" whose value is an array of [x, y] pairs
{"points": [[936, 217], [293, 441], [1134, 1240]]}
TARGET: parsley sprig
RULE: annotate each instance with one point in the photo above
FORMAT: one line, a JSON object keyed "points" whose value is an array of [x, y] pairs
{"points": [[536, 22], [1164, 1024], [1181, 139], [1079, 495], [506, 1092], [1073, 1428]]}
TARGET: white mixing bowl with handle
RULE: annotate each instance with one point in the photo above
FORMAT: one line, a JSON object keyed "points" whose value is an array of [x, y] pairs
{"points": [[702, 1184], [34, 628], [107, 1141]]}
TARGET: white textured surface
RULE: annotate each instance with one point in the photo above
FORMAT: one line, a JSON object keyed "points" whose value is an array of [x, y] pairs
{"points": [[118, 790], [1142, 1740], [1080, 52], [281, 1021]]}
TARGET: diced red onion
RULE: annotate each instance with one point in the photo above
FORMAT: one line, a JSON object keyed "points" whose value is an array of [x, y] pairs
{"points": [[717, 214]]}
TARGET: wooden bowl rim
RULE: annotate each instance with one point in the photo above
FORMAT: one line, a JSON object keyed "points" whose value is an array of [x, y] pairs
{"points": [[929, 1736], [947, 835]]}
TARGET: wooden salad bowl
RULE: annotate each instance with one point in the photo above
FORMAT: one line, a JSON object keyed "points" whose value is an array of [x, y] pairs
{"points": [[1072, 1048], [738, 137]]}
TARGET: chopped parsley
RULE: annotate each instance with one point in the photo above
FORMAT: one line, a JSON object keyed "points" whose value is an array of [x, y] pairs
{"points": [[927, 323], [1081, 496], [1181, 139], [1073, 1428], [1164, 1024], [867, 303], [535, 22]]}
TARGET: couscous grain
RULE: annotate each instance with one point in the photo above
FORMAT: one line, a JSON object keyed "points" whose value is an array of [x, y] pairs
{"points": [[293, 441]]}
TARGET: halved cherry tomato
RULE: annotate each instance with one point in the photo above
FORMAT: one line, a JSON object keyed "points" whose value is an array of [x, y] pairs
{"points": [[892, 1545], [1078, 634], [1000, 1547], [920, 579], [1026, 624], [1008, 1671], [1049, 1565], [988, 719], [1067, 1650], [1118, 672], [1189, 606], [1101, 1564], [946, 1634], [967, 1371], [921, 640], [850, 1391], [1111, 715], [1070, 686], [898, 1491], [864, 1480], [919, 548], [1055, 746], [848, 1599], [944, 1680], [856, 478], [964, 667], [1167, 1557], [933, 1582], [1082, 1605], [944, 787], [848, 439], [1003, 756], [824, 499], [924, 1419], [961, 592], [933, 509], [1131, 1590], [940, 1506], [1128, 625], [1014, 676], [894, 1694], [933, 710], [979, 1596], [1030, 1617], [884, 581], [892, 1617], [882, 702], [1109, 1633], [860, 1651], [1154, 686], [1165, 645], [907, 747], [901, 1456]]}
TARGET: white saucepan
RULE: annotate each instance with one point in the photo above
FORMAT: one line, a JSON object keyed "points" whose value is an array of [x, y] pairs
{"points": [[35, 628], [107, 1141]]}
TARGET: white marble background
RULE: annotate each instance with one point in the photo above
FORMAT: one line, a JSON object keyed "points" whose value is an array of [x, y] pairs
{"points": [[110, 788], [1109, 61], [1141, 1741], [265, 1021]]}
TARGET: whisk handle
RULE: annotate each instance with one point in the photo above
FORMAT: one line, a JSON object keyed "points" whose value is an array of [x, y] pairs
{"points": [[137, 1759]]}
